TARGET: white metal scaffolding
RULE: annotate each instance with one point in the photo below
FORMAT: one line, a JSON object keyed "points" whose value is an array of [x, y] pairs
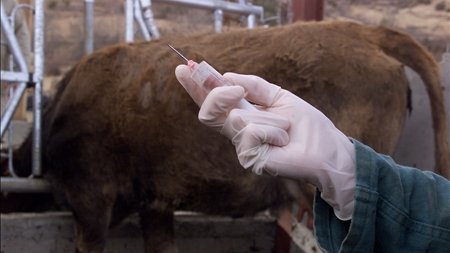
{"points": [[25, 79]]}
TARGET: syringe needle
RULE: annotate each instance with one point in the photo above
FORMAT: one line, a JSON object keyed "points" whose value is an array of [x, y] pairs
{"points": [[182, 56]]}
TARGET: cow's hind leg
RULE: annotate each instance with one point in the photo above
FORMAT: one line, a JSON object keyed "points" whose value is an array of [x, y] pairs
{"points": [[158, 230], [92, 197], [89, 237], [83, 171], [92, 216]]}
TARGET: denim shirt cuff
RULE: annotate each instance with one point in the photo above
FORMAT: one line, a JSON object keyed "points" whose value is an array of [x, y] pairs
{"points": [[334, 235], [408, 209]]}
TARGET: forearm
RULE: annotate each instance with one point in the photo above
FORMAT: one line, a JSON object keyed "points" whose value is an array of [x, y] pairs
{"points": [[397, 209]]}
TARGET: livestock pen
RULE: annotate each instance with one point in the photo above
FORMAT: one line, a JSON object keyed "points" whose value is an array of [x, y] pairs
{"points": [[63, 225]]}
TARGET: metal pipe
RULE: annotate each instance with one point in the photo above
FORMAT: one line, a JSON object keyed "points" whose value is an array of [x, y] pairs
{"points": [[218, 20], [214, 5], [13, 12], [251, 21], [148, 18], [38, 76], [273, 18], [129, 30], [140, 21], [20, 61], [29, 185], [88, 26], [9, 76], [12, 106], [10, 142], [11, 40]]}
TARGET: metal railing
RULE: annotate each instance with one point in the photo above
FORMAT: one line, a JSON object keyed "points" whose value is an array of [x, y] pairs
{"points": [[141, 12], [25, 79]]}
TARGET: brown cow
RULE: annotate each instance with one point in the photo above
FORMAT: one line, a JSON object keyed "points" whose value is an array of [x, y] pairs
{"points": [[122, 136]]}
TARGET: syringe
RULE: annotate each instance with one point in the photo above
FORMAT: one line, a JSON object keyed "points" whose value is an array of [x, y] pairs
{"points": [[208, 78]]}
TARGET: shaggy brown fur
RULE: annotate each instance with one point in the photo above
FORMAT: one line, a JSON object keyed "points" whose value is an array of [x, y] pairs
{"points": [[121, 135]]}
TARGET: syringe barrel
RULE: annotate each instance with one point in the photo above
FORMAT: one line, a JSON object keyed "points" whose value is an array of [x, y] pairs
{"points": [[209, 78]]}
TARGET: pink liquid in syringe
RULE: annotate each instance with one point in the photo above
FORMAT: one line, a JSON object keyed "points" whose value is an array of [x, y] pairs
{"points": [[211, 81]]}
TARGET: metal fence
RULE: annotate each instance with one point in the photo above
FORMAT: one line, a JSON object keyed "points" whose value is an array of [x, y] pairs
{"points": [[24, 78]]}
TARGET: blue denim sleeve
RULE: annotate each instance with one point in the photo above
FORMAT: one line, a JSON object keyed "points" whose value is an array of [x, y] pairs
{"points": [[397, 209]]}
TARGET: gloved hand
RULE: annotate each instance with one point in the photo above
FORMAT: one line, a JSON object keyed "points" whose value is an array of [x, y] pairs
{"points": [[286, 136]]}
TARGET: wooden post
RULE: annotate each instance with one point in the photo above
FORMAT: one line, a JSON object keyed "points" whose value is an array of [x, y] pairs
{"points": [[307, 10]]}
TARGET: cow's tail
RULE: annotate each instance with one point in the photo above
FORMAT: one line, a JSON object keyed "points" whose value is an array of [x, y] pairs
{"points": [[408, 51]]}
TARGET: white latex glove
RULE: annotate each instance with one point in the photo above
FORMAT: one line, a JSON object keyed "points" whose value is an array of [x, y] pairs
{"points": [[286, 137]]}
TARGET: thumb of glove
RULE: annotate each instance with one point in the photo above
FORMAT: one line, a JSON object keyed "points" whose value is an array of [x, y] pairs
{"points": [[198, 94]]}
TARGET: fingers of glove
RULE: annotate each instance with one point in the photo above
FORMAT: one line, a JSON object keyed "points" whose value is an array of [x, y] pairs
{"points": [[289, 161], [198, 94], [217, 104], [253, 136], [259, 90], [240, 118], [255, 158]]}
